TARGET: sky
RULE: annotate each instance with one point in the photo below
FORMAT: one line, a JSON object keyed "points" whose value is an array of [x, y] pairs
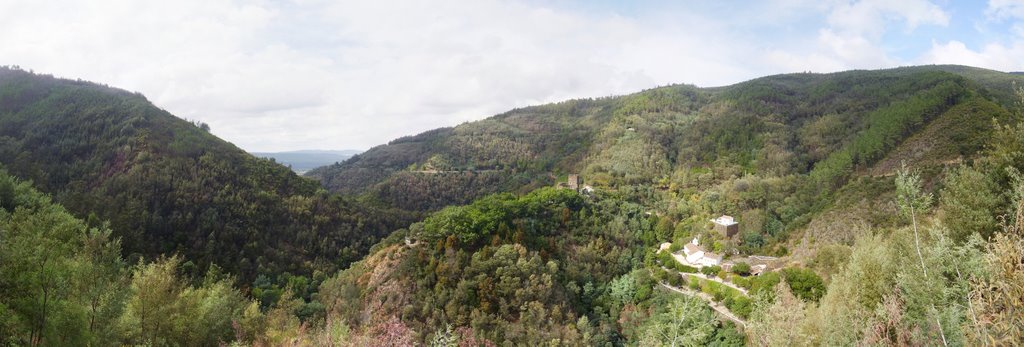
{"points": [[309, 74]]}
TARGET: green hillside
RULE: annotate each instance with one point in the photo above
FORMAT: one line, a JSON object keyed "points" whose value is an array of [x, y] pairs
{"points": [[772, 126], [923, 252], [167, 186]]}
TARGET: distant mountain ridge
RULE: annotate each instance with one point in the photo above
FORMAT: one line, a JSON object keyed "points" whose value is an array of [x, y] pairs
{"points": [[782, 124], [304, 160]]}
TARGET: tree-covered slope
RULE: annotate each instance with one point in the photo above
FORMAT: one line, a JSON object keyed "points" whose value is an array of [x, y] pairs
{"points": [[772, 126], [169, 186], [908, 258], [65, 283], [550, 265]]}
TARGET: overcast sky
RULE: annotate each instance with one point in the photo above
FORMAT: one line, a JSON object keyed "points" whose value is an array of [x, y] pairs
{"points": [[309, 74]]}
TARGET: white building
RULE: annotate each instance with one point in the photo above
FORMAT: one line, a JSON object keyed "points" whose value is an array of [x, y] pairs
{"points": [[726, 225], [695, 255], [711, 259], [724, 220]]}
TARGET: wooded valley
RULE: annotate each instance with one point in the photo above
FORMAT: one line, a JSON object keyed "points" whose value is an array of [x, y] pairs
{"points": [[890, 203]]}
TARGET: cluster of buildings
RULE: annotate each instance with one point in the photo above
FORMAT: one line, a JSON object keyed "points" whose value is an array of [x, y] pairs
{"points": [[698, 256], [694, 254]]}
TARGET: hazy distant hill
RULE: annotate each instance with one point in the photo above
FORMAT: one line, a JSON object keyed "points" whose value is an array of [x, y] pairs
{"points": [[305, 160]]}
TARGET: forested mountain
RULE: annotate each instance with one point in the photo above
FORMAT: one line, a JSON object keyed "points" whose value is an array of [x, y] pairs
{"points": [[833, 173], [892, 198], [777, 125], [167, 186]]}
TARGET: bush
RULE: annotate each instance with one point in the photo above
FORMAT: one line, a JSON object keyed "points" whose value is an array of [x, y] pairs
{"points": [[666, 259], [685, 268], [741, 268], [710, 271], [741, 282], [804, 283], [739, 305], [676, 281], [661, 275], [764, 283]]}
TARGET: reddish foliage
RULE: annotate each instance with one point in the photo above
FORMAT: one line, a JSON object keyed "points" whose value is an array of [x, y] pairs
{"points": [[392, 333]]}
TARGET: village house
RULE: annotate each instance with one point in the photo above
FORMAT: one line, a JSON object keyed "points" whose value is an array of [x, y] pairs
{"points": [[696, 255], [726, 226]]}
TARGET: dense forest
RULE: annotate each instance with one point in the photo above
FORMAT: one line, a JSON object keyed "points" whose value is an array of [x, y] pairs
{"points": [[777, 126], [66, 283], [167, 186], [890, 203]]}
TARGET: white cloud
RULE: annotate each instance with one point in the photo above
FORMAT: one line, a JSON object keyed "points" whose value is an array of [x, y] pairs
{"points": [[993, 56], [1003, 9], [852, 35], [870, 17], [273, 75], [1003, 50]]}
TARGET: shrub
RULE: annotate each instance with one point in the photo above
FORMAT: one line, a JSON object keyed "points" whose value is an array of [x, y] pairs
{"points": [[666, 259], [741, 268], [764, 283], [661, 275], [740, 305], [707, 287], [741, 282], [685, 268], [675, 280], [710, 271], [804, 283]]}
